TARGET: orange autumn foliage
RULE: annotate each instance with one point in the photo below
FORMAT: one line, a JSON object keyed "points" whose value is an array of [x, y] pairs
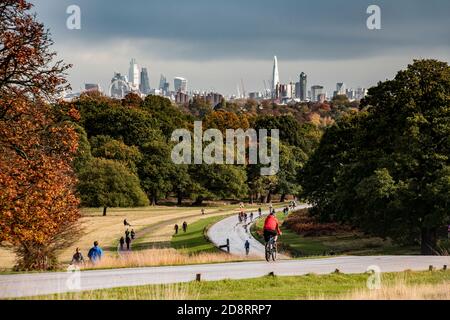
{"points": [[38, 205]]}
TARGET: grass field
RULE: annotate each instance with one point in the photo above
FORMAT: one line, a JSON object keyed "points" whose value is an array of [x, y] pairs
{"points": [[153, 225], [194, 240], [406, 285], [350, 243]]}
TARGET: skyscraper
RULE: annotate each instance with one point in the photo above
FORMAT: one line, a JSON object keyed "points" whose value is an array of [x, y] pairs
{"points": [[180, 84], [303, 85], [340, 88], [316, 91], [275, 76], [145, 82], [134, 74]]}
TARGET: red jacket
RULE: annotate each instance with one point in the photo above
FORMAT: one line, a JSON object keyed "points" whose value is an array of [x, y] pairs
{"points": [[271, 224]]}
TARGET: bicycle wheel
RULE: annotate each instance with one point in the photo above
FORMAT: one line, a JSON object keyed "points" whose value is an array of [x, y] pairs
{"points": [[274, 252], [268, 253]]}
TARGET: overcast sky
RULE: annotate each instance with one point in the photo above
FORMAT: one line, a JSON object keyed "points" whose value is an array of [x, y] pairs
{"points": [[215, 43]]}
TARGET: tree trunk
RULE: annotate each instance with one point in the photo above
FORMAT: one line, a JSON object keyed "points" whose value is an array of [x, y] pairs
{"points": [[154, 200], [283, 197], [269, 197], [198, 201], [104, 211], [179, 198], [429, 242]]}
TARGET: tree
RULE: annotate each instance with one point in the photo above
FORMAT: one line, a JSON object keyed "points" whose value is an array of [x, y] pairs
{"points": [[108, 148], [108, 183], [386, 169], [38, 206], [155, 170]]}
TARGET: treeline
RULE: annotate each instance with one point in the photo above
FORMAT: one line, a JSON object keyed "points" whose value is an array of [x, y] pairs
{"points": [[386, 169], [124, 156]]}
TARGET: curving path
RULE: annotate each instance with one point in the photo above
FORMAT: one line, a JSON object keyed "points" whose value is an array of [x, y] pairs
{"points": [[238, 233]]}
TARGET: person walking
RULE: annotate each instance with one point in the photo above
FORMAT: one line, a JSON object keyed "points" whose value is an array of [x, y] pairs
{"points": [[251, 216], [121, 242], [77, 258], [260, 212], [185, 226], [128, 242], [95, 253], [176, 229], [132, 234], [247, 247]]}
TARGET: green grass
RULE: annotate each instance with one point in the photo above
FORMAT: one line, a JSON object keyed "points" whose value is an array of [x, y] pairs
{"points": [[194, 240], [345, 243], [266, 288]]}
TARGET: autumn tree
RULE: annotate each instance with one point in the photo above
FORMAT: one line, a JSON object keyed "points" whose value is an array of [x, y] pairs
{"points": [[38, 206]]}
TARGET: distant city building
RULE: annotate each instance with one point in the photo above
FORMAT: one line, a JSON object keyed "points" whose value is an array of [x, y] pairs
{"points": [[180, 84], [92, 87], [255, 95], [134, 76], [119, 86], [275, 77], [164, 86], [182, 98], [301, 90], [144, 86], [321, 97], [315, 92], [340, 88]]}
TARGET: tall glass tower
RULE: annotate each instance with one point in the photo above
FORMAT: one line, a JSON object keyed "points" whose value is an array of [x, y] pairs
{"points": [[275, 75], [303, 86], [145, 82]]}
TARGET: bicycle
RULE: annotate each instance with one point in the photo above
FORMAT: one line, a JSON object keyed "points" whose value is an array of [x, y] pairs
{"points": [[271, 249]]}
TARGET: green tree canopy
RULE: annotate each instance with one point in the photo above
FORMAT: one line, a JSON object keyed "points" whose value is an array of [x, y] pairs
{"points": [[386, 170], [108, 183]]}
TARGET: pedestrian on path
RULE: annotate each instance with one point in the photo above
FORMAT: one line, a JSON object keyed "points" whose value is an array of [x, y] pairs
{"points": [[260, 212], [247, 247], [185, 226], [176, 229]]}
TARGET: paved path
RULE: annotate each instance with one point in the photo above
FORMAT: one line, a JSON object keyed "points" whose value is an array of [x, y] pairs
{"points": [[25, 285], [230, 228]]}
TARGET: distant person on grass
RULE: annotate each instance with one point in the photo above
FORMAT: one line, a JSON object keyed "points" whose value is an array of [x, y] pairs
{"points": [[132, 234], [95, 253], [260, 212], [185, 226], [126, 224], [128, 242], [176, 229], [122, 242], [77, 258]]}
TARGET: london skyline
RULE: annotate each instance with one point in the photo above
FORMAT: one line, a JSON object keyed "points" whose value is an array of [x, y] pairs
{"points": [[221, 43]]}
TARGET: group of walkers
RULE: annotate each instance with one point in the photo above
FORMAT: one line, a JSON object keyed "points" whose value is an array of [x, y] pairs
{"points": [[184, 226], [244, 217], [95, 255], [129, 236]]}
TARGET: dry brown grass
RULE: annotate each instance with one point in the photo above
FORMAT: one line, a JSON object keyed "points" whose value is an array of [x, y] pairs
{"points": [[403, 291], [107, 230], [161, 257]]}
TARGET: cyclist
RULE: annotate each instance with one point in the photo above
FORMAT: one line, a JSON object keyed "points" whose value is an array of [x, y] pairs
{"points": [[271, 228]]}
